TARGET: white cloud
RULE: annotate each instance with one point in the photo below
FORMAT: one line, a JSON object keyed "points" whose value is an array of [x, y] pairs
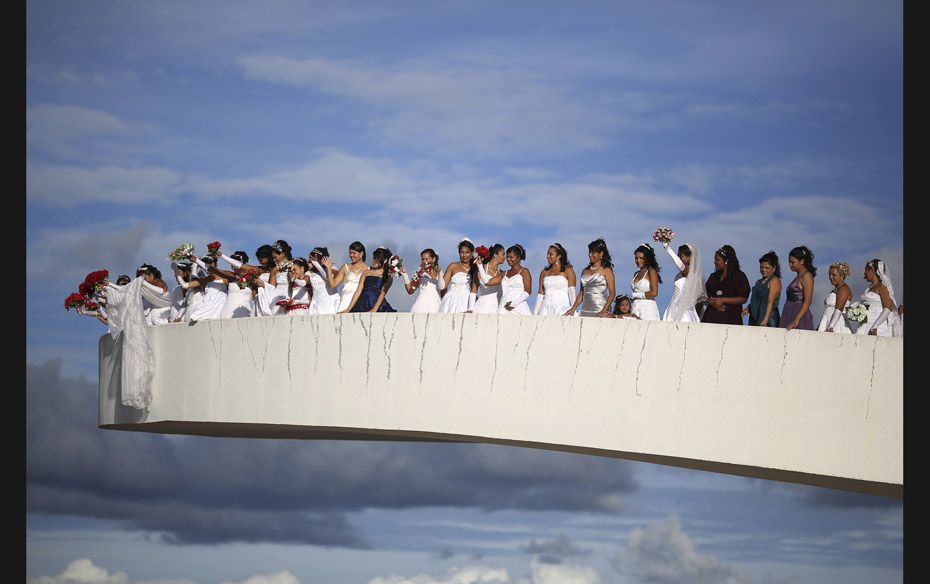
{"points": [[283, 577], [486, 109], [545, 573], [83, 571], [69, 186], [664, 554], [61, 129], [464, 575]]}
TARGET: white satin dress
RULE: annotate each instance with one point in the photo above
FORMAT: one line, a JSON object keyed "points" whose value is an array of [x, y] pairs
{"points": [[349, 285], [456, 298], [829, 307], [512, 291], [556, 299], [875, 309], [214, 298], [644, 308], [428, 300], [489, 298], [325, 299]]}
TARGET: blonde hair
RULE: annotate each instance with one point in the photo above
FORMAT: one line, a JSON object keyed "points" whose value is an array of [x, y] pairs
{"points": [[842, 267]]}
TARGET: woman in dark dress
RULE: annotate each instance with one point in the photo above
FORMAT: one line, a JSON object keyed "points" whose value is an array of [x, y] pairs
{"points": [[763, 302], [374, 285], [800, 292], [727, 289]]}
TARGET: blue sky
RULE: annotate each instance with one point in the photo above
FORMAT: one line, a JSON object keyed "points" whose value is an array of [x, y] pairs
{"points": [[765, 126]]}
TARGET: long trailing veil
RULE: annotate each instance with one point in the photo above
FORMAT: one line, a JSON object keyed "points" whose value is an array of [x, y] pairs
{"points": [[693, 291], [125, 317], [885, 277]]}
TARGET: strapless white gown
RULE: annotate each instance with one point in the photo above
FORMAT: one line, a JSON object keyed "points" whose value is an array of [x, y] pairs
{"points": [[239, 302], [456, 298], [489, 298], [299, 296], [829, 307], [214, 298], [644, 308], [875, 309], [512, 291], [325, 299], [556, 298], [279, 292], [688, 315], [349, 285], [428, 300], [594, 295]]}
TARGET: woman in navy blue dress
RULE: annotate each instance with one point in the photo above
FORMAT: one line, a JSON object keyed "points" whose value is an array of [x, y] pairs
{"points": [[370, 296]]}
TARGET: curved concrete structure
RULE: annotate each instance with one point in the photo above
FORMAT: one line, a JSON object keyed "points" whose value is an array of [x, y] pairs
{"points": [[798, 406]]}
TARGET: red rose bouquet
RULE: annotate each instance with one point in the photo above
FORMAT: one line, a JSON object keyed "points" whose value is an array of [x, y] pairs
{"points": [[74, 300], [482, 252], [213, 249]]}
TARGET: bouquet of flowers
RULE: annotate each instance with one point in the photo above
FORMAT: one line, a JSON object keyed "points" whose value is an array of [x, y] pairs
{"points": [[213, 249], [423, 269], [857, 312], [182, 252], [74, 300], [90, 304], [247, 279], [482, 252], [663, 235], [94, 282], [394, 266]]}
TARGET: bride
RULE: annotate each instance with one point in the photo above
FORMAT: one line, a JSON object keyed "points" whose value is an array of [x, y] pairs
{"points": [[689, 284], [879, 297]]}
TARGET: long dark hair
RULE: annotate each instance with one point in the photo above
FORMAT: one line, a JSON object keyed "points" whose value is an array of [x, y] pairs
{"points": [[357, 246], [241, 256], [728, 254], [473, 270], [601, 245], [494, 249], [806, 257], [771, 258], [649, 255], [264, 253], [382, 255], [518, 251], [563, 257], [282, 246]]}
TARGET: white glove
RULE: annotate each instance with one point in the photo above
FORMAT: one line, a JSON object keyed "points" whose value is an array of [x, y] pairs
{"points": [[405, 277], [835, 318], [886, 312], [232, 262], [181, 281], [571, 296], [472, 298], [482, 274], [523, 297], [202, 265], [441, 284], [539, 304]]}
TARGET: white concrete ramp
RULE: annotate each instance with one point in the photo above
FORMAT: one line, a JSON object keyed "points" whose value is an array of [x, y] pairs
{"points": [[806, 407]]}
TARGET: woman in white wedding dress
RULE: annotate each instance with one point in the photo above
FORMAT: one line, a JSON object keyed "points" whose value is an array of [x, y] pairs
{"points": [[880, 298], [262, 293], [645, 283], [597, 282], [556, 283], [299, 293], [325, 298], [348, 274], [214, 288], [689, 284], [488, 296], [834, 316], [516, 283], [428, 281], [457, 279], [156, 299], [239, 300]]}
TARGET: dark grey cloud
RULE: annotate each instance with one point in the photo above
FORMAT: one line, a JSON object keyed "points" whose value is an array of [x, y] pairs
{"points": [[554, 551], [443, 554], [211, 490]]}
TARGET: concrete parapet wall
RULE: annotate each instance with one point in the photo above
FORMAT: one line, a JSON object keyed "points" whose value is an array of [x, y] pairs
{"points": [[799, 406]]}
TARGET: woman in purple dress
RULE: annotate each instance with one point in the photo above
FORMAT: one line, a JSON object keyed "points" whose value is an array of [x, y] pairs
{"points": [[727, 289], [800, 292]]}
